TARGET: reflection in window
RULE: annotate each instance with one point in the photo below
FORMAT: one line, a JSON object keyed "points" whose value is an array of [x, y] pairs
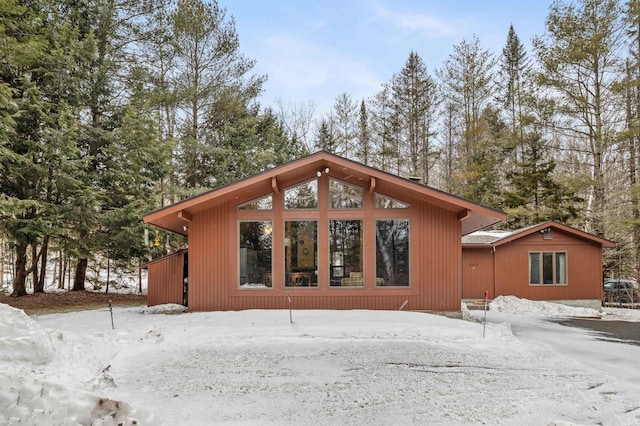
{"points": [[383, 202], [561, 268], [303, 196], [264, 203], [344, 196], [345, 251], [301, 253], [256, 242], [548, 268], [392, 252]]}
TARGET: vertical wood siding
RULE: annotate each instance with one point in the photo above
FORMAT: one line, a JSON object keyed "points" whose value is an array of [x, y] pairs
{"points": [[435, 265], [584, 268], [165, 276], [438, 267], [477, 273], [210, 259]]}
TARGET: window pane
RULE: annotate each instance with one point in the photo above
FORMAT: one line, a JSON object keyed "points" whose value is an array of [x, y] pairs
{"points": [[344, 196], [255, 253], [383, 202], [345, 253], [547, 268], [561, 268], [303, 196], [301, 253], [392, 252], [264, 203], [534, 268]]}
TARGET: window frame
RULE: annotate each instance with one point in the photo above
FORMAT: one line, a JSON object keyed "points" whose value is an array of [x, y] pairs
{"points": [[285, 283], [554, 267], [357, 188], [377, 219], [243, 286], [317, 207], [363, 262]]}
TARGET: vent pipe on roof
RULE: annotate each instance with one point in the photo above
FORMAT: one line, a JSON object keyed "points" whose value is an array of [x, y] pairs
{"points": [[415, 179]]}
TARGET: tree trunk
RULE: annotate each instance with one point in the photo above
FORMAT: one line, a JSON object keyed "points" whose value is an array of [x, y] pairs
{"points": [[34, 267], [81, 273], [38, 286], [61, 264], [3, 246], [19, 280]]}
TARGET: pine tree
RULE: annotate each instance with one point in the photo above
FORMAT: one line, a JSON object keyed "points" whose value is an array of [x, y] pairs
{"points": [[364, 150], [41, 168], [416, 97], [468, 83], [579, 60], [515, 71], [345, 125], [536, 195], [214, 87]]}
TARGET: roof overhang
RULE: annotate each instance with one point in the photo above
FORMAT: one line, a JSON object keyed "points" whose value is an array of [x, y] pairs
{"points": [[540, 227], [176, 217]]}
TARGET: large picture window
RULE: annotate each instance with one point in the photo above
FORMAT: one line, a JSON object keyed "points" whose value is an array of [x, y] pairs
{"points": [[301, 253], [547, 268], [256, 243], [345, 253], [392, 252]]}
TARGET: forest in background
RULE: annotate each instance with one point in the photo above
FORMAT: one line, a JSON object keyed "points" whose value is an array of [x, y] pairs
{"points": [[113, 108]]}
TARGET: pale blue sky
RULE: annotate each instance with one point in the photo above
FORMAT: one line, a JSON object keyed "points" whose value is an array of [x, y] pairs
{"points": [[315, 50]]}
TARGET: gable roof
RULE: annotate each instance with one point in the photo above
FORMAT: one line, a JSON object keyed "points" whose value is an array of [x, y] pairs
{"points": [[472, 215], [498, 238]]}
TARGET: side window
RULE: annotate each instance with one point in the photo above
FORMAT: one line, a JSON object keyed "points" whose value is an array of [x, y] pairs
{"points": [[547, 268], [255, 253], [392, 252]]}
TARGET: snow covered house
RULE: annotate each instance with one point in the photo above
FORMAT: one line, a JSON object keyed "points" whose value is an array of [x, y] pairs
{"points": [[321, 232], [548, 261]]}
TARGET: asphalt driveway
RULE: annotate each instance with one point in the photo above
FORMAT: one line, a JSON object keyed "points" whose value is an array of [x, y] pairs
{"points": [[611, 331]]}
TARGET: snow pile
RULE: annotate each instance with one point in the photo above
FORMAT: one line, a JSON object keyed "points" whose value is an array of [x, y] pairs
{"points": [[168, 308], [21, 339], [515, 305], [323, 367], [32, 394]]}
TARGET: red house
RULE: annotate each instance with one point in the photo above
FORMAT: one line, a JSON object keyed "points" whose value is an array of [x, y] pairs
{"points": [[322, 232], [548, 261]]}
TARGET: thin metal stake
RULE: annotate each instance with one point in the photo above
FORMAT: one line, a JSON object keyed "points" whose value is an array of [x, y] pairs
{"points": [[111, 311], [484, 322], [290, 313]]}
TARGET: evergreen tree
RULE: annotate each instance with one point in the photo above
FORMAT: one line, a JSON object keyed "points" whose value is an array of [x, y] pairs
{"points": [[40, 168], [515, 71], [536, 195], [579, 59], [363, 153], [213, 86], [467, 77], [385, 131], [416, 99], [345, 125], [324, 137]]}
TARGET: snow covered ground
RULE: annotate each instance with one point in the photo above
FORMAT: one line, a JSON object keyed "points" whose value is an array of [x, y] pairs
{"points": [[325, 368]]}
